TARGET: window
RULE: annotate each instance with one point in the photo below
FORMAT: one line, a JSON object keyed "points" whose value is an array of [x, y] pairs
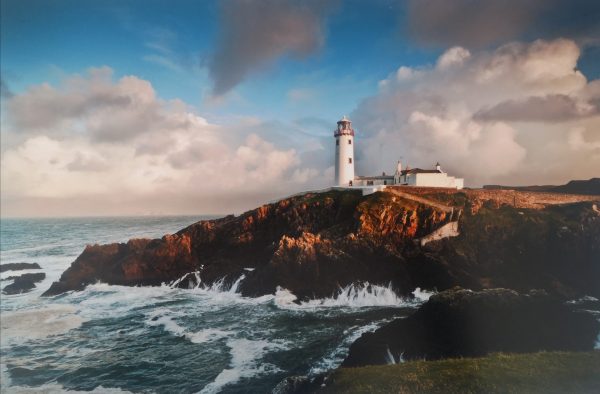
{"points": [[349, 160], [349, 142], [369, 183], [337, 142]]}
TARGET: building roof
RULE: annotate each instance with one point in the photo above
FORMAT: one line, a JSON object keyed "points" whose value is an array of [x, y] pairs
{"points": [[369, 178], [419, 171]]}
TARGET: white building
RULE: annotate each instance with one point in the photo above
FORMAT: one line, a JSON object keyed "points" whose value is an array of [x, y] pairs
{"points": [[344, 167]]}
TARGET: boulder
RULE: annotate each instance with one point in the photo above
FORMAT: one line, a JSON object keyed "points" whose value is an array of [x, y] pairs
{"points": [[24, 283]]}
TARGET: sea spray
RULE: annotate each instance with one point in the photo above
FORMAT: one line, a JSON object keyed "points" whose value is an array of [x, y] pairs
{"points": [[354, 296]]}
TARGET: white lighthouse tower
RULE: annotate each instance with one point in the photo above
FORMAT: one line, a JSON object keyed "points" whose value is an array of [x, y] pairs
{"points": [[344, 153]]}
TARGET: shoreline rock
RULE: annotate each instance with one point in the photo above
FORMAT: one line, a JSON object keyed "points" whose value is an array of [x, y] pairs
{"points": [[19, 266], [463, 323], [23, 283]]}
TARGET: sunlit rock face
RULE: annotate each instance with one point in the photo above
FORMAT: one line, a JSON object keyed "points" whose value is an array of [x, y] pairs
{"points": [[315, 243]]}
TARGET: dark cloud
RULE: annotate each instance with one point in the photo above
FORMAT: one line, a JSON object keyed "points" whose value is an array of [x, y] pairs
{"points": [[475, 23], [548, 109], [256, 33]]}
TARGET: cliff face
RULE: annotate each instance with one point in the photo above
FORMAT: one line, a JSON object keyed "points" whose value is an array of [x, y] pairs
{"points": [[314, 243]]}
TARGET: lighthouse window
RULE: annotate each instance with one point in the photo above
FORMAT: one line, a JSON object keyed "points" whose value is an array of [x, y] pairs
{"points": [[349, 142], [337, 142], [350, 160]]}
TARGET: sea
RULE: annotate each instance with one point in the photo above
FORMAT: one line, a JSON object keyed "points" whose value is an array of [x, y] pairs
{"points": [[165, 339]]}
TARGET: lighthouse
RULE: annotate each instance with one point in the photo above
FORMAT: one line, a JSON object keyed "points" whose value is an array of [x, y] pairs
{"points": [[344, 153]]}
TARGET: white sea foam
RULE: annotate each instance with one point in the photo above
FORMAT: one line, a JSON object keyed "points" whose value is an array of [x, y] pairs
{"points": [[335, 358], [101, 300], [38, 323], [55, 388], [166, 318], [583, 300], [245, 357], [353, 296]]}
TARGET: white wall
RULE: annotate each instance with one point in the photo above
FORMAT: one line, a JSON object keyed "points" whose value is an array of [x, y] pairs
{"points": [[437, 180], [344, 170]]}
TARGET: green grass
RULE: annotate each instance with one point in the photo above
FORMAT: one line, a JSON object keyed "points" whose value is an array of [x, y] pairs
{"points": [[552, 372]]}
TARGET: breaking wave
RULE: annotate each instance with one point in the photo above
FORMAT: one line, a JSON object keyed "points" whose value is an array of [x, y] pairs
{"points": [[354, 296]]}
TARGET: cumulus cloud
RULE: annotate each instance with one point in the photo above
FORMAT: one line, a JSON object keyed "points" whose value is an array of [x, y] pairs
{"points": [[97, 146], [256, 33], [474, 24], [519, 114], [111, 112]]}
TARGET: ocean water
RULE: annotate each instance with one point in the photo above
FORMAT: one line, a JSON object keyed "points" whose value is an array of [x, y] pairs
{"points": [[209, 339]]}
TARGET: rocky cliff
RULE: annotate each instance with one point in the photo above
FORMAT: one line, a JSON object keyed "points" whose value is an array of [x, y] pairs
{"points": [[314, 243]]}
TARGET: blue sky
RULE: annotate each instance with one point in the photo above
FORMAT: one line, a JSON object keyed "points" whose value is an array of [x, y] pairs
{"points": [[487, 88], [44, 41]]}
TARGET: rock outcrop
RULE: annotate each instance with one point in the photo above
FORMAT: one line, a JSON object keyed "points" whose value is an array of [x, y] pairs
{"points": [[317, 242], [463, 323], [19, 266], [23, 283]]}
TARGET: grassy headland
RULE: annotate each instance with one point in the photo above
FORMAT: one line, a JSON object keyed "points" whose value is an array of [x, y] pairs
{"points": [[546, 372]]}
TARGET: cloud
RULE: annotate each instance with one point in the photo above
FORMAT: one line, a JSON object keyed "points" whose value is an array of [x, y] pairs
{"points": [[97, 146], [476, 24], [521, 113], [551, 108], [254, 34], [110, 112]]}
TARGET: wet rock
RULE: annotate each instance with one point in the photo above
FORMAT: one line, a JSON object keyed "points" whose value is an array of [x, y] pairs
{"points": [[19, 266], [464, 323], [24, 283]]}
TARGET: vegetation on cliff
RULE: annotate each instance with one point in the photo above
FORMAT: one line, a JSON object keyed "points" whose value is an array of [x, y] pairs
{"points": [[543, 373]]}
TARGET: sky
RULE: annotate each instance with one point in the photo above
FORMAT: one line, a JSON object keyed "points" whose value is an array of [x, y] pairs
{"points": [[201, 107]]}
